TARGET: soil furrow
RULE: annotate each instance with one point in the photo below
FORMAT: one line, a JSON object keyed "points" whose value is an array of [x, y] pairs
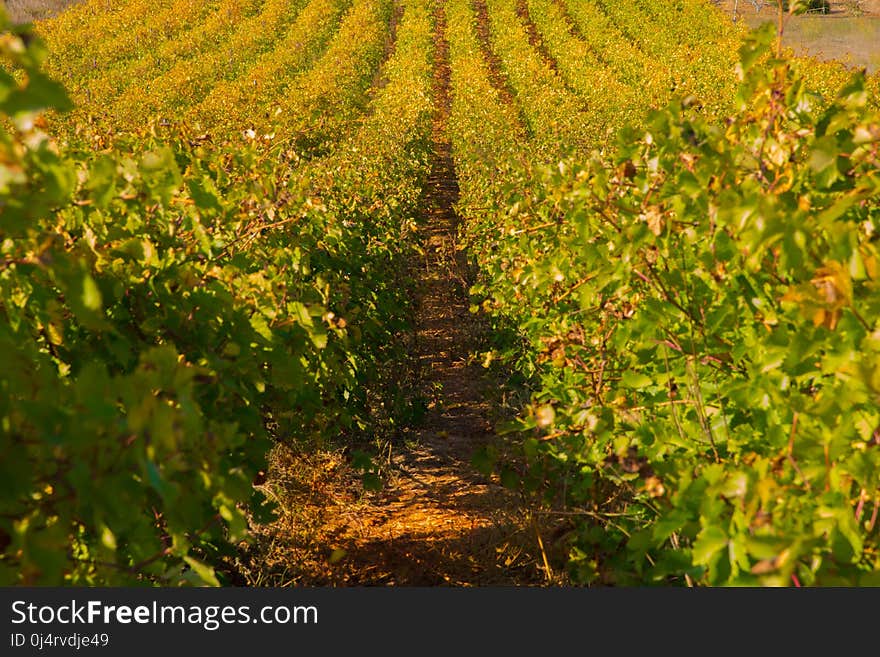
{"points": [[496, 71], [522, 10], [439, 521], [379, 79], [436, 520], [573, 27]]}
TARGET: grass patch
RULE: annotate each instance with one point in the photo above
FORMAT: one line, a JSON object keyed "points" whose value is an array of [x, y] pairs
{"points": [[27, 11]]}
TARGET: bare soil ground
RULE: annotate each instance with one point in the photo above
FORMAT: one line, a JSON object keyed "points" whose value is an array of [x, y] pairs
{"points": [[849, 33]]}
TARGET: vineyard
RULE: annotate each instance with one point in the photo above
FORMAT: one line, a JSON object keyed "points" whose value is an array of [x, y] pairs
{"points": [[549, 291]]}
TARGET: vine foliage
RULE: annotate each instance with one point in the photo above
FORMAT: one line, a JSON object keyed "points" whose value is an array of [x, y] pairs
{"points": [[702, 321]]}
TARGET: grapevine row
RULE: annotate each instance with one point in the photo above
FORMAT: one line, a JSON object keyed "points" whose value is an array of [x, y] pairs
{"points": [[692, 309], [178, 304]]}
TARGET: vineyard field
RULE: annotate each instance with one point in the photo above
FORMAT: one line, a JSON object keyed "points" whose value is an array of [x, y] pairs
{"points": [[435, 292]]}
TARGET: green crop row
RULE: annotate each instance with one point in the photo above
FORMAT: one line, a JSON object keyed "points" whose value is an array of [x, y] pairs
{"points": [[582, 67], [113, 78], [170, 305], [107, 38], [557, 118], [231, 103], [696, 311], [188, 82]]}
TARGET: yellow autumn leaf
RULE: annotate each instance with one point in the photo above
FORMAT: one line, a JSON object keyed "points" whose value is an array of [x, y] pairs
{"points": [[834, 284], [826, 295]]}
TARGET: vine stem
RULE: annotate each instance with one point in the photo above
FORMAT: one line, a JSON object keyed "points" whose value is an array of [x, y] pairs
{"points": [[779, 27], [547, 570], [873, 520], [674, 540], [860, 507]]}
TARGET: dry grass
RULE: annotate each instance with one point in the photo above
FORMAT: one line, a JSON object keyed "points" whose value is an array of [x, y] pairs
{"points": [[850, 33], [854, 41], [27, 11]]}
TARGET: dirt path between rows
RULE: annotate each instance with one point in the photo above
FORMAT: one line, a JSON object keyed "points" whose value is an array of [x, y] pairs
{"points": [[440, 521], [437, 520]]}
